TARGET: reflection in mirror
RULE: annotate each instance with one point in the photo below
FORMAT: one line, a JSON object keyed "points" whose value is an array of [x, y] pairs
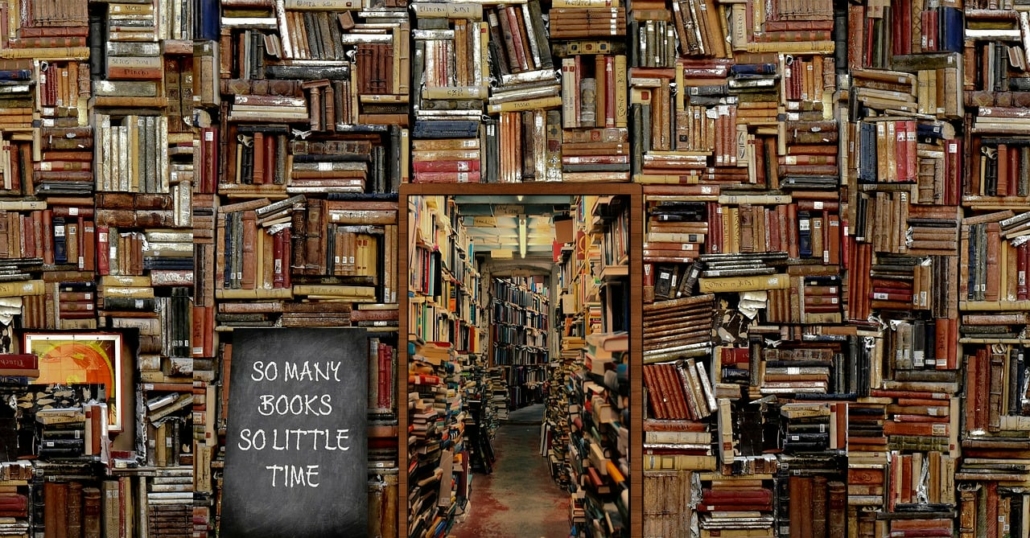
{"points": [[518, 385]]}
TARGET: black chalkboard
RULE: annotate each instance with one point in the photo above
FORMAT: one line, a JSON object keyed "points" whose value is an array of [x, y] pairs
{"points": [[297, 420]]}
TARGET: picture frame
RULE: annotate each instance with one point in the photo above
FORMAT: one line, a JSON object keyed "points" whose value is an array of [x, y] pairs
{"points": [[70, 358]]}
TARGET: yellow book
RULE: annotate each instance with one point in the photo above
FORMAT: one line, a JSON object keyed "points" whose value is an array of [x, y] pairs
{"points": [[530, 104], [778, 281], [334, 290], [55, 53], [20, 288]]}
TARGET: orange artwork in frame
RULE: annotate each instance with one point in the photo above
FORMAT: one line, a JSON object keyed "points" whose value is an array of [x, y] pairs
{"points": [[90, 358]]}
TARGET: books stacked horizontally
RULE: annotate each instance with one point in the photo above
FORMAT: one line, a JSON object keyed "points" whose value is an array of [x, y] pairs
{"points": [[132, 65], [431, 409], [66, 166], [588, 40], [451, 72], [16, 98], [169, 502], [14, 501], [51, 30], [73, 432], [736, 502], [329, 166], [522, 141], [16, 505], [678, 327], [676, 233], [257, 107]]}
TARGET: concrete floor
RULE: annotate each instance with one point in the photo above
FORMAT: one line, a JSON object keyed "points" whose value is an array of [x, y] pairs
{"points": [[519, 499]]}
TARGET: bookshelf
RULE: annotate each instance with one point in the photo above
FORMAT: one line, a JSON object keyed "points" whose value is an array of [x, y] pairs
{"points": [[444, 317], [520, 328], [594, 368]]}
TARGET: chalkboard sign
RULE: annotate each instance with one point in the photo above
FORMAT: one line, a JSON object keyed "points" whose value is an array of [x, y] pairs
{"points": [[296, 461]]}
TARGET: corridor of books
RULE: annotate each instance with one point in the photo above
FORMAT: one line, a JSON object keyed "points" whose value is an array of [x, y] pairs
{"points": [[517, 377]]}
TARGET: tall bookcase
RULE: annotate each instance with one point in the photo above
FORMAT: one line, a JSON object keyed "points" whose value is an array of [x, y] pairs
{"points": [[520, 329], [597, 456], [444, 316]]}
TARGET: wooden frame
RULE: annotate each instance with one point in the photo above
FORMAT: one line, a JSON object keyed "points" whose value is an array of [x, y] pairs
{"points": [[636, 478], [66, 358]]}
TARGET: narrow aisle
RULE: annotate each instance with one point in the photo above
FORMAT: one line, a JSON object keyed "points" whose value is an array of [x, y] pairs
{"points": [[519, 499]]}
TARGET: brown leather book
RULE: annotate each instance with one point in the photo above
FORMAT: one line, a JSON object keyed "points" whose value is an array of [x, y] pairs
{"points": [[88, 250], [837, 511], [314, 246], [981, 387], [819, 506], [249, 246], [91, 512], [686, 406], [655, 393], [991, 489], [797, 507], [993, 268], [997, 383]]}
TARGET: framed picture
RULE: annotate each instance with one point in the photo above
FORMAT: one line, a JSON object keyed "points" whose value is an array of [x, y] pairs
{"points": [[95, 358]]}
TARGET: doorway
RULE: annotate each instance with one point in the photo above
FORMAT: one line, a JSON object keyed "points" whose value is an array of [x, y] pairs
{"points": [[518, 375]]}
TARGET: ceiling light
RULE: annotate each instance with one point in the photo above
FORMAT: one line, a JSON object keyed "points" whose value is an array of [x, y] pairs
{"points": [[519, 197], [522, 235]]}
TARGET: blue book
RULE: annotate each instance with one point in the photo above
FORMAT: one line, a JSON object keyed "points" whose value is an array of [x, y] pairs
{"points": [[16, 74], [952, 27], [753, 69], [804, 234]]}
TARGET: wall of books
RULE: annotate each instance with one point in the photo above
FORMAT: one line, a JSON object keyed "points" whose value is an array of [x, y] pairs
{"points": [[837, 200]]}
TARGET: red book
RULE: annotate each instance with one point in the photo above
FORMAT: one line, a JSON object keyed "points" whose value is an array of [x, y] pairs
{"points": [[198, 331], [1002, 188], [1013, 180], [911, 156], [209, 158], [88, 248], [736, 496], [992, 508], [953, 170], [287, 256], [103, 250], [447, 177], [385, 375], [735, 355], [1022, 259], [940, 339], [610, 91], [906, 478], [470, 165], [928, 42], [884, 295], [48, 237], [792, 231], [270, 142], [900, 151], [18, 360], [773, 219]]}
